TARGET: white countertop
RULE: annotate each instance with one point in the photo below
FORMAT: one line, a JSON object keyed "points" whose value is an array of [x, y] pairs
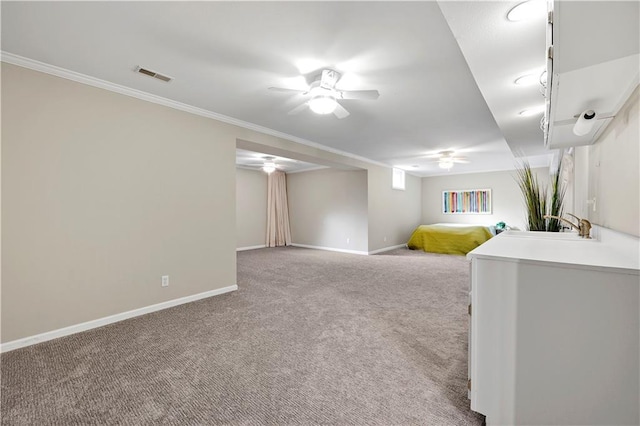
{"points": [[609, 250]]}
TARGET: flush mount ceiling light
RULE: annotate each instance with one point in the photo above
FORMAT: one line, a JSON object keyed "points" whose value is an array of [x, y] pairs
{"points": [[527, 80], [532, 111], [527, 10]]}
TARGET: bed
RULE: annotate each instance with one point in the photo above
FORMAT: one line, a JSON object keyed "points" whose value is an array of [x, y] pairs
{"points": [[448, 238]]}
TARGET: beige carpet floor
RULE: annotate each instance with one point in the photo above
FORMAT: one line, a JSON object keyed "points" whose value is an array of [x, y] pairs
{"points": [[310, 337]]}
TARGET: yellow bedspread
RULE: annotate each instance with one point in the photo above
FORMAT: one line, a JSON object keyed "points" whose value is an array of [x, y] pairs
{"points": [[448, 239]]}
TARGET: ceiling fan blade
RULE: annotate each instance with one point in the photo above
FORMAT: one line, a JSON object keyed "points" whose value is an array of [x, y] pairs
{"points": [[460, 160], [298, 109], [284, 89], [340, 111], [359, 94]]}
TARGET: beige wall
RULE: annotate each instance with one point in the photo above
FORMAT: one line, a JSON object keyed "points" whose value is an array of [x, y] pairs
{"points": [[102, 194], [328, 208], [508, 205], [611, 167], [393, 214], [251, 208]]}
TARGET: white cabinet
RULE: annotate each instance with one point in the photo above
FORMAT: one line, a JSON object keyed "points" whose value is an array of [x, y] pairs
{"points": [[555, 331], [595, 48]]}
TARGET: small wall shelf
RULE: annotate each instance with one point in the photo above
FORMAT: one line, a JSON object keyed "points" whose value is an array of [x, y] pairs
{"points": [[466, 201]]}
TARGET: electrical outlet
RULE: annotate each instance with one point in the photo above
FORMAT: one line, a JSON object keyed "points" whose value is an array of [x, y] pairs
{"points": [[165, 281], [348, 240], [385, 239]]}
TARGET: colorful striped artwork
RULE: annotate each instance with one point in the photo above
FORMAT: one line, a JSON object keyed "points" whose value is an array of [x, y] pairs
{"points": [[474, 201]]}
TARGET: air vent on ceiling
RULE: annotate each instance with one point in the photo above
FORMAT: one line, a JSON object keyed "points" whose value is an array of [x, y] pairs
{"points": [[153, 74]]}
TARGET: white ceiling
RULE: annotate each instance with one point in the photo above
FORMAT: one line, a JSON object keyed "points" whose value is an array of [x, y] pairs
{"points": [[499, 51], [444, 83]]}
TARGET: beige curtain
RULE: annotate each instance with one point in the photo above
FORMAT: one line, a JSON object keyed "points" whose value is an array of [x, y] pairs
{"points": [[278, 229]]}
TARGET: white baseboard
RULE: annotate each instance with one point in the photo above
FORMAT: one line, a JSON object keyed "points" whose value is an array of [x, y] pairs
{"points": [[77, 328], [387, 249], [349, 251], [330, 249], [251, 247]]}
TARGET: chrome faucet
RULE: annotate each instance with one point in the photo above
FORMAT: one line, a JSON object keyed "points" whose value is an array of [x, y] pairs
{"points": [[583, 227]]}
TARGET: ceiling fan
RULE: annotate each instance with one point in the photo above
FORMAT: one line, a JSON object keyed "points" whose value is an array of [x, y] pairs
{"points": [[266, 163], [324, 96], [446, 159]]}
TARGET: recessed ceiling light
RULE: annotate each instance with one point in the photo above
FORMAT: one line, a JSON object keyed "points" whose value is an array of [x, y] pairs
{"points": [[527, 80], [527, 10], [532, 111]]}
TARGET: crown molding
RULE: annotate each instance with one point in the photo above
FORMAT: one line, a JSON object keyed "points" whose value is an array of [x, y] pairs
{"points": [[43, 67]]}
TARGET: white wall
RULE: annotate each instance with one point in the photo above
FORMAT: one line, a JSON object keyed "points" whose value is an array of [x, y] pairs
{"points": [[251, 208], [611, 167], [328, 208], [508, 205], [393, 214]]}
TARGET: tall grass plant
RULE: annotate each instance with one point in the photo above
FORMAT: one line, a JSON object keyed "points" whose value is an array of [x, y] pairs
{"points": [[539, 200]]}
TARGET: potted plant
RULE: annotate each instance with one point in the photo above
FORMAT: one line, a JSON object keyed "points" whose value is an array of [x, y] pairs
{"points": [[539, 201]]}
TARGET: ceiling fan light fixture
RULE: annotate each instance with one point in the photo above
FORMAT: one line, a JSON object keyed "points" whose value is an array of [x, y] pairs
{"points": [[323, 104], [269, 168], [445, 163], [527, 10]]}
